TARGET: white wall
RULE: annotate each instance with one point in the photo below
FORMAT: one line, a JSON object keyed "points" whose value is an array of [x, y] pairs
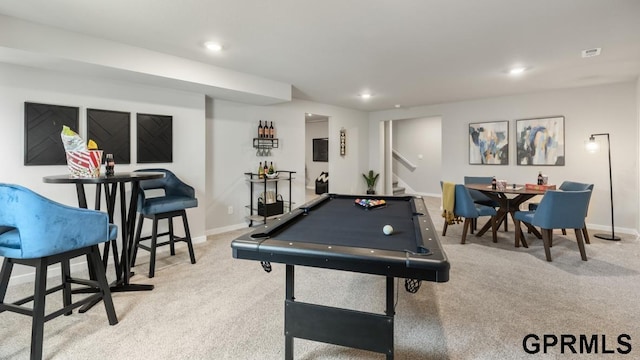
{"points": [[230, 132], [637, 185], [315, 130], [20, 84], [608, 108], [420, 142]]}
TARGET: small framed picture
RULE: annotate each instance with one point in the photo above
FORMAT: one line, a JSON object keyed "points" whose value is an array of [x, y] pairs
{"points": [[489, 143], [321, 150]]}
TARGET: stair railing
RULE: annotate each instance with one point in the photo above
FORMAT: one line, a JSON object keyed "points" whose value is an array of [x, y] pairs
{"points": [[403, 160]]}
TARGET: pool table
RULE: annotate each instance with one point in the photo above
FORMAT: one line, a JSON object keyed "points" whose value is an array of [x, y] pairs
{"points": [[335, 232]]}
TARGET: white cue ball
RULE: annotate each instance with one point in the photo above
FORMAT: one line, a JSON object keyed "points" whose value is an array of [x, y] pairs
{"points": [[387, 229]]}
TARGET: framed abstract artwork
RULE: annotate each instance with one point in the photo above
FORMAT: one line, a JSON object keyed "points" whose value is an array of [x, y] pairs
{"points": [[111, 130], [540, 141], [42, 126], [155, 138], [489, 143]]}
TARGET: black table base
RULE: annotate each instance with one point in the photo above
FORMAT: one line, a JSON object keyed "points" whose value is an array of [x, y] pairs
{"points": [[122, 261]]}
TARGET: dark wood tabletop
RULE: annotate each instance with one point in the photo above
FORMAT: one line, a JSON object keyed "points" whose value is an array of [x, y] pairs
{"points": [[102, 179], [509, 189]]}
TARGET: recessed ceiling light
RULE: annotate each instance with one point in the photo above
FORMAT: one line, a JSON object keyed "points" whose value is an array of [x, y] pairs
{"points": [[309, 114], [365, 95], [517, 70], [213, 46], [397, 105]]}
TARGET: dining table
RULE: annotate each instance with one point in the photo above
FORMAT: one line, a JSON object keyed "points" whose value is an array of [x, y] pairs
{"points": [[128, 207], [510, 198]]}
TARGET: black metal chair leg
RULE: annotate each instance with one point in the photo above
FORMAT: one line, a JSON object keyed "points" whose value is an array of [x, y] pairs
{"points": [[172, 245], [188, 237], [104, 285], [5, 275], [134, 250], [66, 285], [154, 242], [40, 292]]}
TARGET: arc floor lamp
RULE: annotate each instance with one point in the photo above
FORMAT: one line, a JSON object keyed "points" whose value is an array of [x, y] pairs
{"points": [[592, 146]]}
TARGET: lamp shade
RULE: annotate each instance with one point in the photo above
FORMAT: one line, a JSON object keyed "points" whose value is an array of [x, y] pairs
{"points": [[592, 145]]}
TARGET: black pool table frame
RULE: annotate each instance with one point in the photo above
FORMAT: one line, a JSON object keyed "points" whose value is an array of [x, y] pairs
{"points": [[363, 330]]}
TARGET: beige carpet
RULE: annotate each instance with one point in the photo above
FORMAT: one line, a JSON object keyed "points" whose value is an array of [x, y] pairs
{"points": [[223, 308]]}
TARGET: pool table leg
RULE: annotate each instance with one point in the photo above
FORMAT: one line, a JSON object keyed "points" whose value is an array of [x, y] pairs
{"points": [[288, 338], [391, 311]]}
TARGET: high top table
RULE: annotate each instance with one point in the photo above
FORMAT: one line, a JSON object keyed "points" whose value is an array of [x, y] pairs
{"points": [[122, 263], [508, 205]]}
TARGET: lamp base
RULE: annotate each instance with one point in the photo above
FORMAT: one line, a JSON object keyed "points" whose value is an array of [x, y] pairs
{"points": [[607, 237]]}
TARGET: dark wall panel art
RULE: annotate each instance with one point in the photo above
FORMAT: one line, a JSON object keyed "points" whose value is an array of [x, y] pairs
{"points": [[112, 132], [155, 138], [42, 126]]}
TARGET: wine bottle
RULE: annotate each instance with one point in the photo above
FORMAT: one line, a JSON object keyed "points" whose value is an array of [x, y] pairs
{"points": [[271, 170], [272, 131], [266, 168], [494, 183], [540, 179], [260, 171], [261, 129]]}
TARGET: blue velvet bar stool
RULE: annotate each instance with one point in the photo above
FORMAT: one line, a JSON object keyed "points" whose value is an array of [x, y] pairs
{"points": [[38, 232], [176, 198]]}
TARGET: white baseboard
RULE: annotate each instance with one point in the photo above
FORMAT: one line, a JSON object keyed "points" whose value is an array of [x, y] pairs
{"points": [[224, 229]]}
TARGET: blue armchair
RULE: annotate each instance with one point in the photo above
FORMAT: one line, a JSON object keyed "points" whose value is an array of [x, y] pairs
{"points": [[480, 198], [557, 210], [38, 232], [571, 186], [465, 207], [477, 196], [177, 197]]}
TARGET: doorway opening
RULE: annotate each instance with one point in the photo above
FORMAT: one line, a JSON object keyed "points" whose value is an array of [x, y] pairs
{"points": [[411, 156], [316, 154]]}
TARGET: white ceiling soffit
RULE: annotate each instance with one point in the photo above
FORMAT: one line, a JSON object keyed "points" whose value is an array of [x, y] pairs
{"points": [[28, 44]]}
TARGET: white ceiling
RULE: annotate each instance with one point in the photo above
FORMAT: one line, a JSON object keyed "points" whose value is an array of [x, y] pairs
{"points": [[406, 52]]}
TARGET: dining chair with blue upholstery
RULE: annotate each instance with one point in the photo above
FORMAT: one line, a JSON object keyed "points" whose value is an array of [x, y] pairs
{"points": [[176, 197], [465, 207], [557, 210], [570, 186], [480, 198], [38, 232], [477, 196]]}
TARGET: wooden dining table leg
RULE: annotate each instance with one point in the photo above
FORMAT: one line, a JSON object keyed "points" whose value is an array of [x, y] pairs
{"points": [[519, 234], [500, 217]]}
